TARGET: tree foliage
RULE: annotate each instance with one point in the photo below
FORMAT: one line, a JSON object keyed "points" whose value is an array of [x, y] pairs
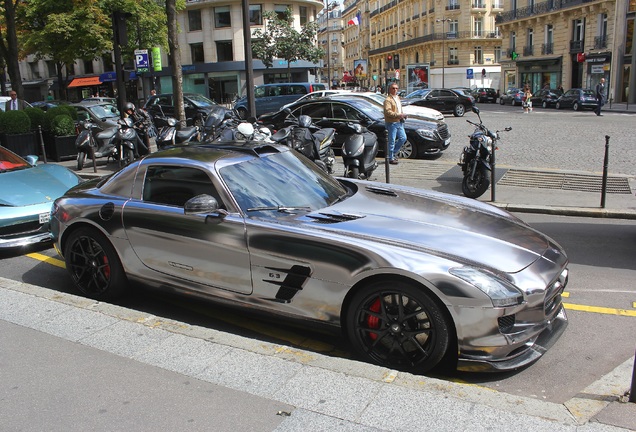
{"points": [[280, 39]]}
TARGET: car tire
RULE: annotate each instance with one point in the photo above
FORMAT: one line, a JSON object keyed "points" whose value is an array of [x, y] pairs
{"points": [[398, 325], [544, 104], [94, 265], [558, 105], [501, 101], [459, 110], [242, 113], [81, 159], [576, 106], [478, 185], [407, 151]]}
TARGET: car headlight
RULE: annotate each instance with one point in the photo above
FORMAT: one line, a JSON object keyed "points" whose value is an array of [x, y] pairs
{"points": [[501, 293], [426, 133]]}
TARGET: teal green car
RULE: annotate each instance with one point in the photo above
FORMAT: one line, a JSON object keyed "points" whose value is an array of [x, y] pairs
{"points": [[27, 193]]}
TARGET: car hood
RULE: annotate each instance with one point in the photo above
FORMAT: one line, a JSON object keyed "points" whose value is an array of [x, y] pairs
{"points": [[455, 227], [35, 185]]}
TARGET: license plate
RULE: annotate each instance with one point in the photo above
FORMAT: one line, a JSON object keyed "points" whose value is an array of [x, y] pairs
{"points": [[44, 217]]}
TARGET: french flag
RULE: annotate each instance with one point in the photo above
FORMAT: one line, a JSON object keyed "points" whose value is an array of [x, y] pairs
{"points": [[355, 20]]}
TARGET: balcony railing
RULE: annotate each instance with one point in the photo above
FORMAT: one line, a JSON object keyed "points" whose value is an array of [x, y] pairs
{"points": [[600, 42], [537, 9], [547, 48], [449, 36], [576, 46], [454, 6], [478, 5], [453, 61], [528, 50]]}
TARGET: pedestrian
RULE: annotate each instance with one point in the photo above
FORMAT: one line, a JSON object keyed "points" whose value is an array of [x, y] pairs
{"points": [[394, 122], [527, 103], [560, 88], [153, 92], [14, 103], [600, 96]]}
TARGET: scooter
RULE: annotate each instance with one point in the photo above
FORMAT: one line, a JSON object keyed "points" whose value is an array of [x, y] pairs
{"points": [[477, 158], [169, 135], [308, 139], [233, 128], [359, 152], [128, 142], [95, 143]]}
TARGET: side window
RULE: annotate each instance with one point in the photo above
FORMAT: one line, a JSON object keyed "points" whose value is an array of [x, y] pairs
{"points": [[259, 92], [341, 111], [82, 115], [297, 90], [315, 110], [434, 93], [174, 185], [164, 100]]}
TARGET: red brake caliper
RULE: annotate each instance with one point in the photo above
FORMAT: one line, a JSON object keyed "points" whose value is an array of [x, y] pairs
{"points": [[372, 321], [106, 268]]}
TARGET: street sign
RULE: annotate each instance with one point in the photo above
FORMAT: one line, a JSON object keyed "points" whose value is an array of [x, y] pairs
{"points": [[397, 74], [141, 61], [469, 74]]}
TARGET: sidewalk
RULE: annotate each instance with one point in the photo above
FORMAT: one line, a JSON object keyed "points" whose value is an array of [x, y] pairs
{"points": [[75, 364]]}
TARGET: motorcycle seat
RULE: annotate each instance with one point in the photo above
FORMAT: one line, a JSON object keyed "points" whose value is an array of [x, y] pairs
{"points": [[185, 133]]}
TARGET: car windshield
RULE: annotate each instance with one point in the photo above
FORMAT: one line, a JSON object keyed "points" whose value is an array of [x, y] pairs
{"points": [[271, 184], [200, 101], [589, 93], [10, 161], [418, 93], [104, 111]]}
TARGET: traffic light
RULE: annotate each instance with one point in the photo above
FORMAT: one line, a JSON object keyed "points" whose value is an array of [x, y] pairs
{"points": [[396, 61], [389, 62]]}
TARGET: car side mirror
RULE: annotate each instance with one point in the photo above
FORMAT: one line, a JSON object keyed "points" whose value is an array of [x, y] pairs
{"points": [[205, 204]]}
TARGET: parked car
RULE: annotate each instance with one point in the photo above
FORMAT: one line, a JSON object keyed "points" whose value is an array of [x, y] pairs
{"points": [[272, 97], [110, 100], [103, 114], [395, 270], [197, 107], [577, 99], [45, 105], [513, 96], [26, 198], [545, 97], [442, 100], [424, 137], [466, 91], [485, 94], [4, 99]]}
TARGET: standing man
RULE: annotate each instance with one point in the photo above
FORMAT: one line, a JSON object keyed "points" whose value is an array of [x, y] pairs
{"points": [[600, 96], [14, 104], [394, 120]]}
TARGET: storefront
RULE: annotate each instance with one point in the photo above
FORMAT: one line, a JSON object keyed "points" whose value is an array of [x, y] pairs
{"points": [[509, 76], [538, 73], [598, 66]]}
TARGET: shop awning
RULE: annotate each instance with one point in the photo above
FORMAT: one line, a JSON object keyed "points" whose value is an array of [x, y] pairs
{"points": [[85, 82]]}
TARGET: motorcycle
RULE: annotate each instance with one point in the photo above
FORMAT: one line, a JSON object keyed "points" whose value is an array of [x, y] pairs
{"points": [[128, 142], [169, 135], [478, 157], [308, 139], [95, 143], [233, 128], [359, 152]]}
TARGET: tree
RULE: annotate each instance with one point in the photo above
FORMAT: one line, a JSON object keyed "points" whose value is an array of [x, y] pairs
{"points": [[280, 39], [9, 45], [175, 61]]}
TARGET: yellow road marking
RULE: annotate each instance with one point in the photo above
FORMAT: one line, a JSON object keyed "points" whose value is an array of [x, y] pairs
{"points": [[565, 294], [601, 310], [53, 261]]}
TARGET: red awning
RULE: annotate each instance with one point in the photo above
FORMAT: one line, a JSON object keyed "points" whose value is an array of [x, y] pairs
{"points": [[85, 82]]}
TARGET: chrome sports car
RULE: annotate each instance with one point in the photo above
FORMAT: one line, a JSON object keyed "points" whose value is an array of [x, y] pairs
{"points": [[26, 197], [411, 277]]}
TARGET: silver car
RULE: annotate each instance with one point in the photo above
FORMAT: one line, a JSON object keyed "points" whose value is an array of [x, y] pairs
{"points": [[411, 277]]}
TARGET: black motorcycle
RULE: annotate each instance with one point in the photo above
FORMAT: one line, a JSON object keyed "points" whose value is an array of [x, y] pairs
{"points": [[235, 129], [170, 134], [308, 139], [359, 152], [129, 144], [477, 158], [93, 142]]}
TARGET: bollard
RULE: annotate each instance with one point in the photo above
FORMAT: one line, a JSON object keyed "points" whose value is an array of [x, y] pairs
{"points": [[605, 163], [42, 144], [632, 390], [387, 168]]}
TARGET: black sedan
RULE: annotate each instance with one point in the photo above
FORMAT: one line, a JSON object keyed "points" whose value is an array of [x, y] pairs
{"points": [[513, 96], [577, 99], [424, 137], [412, 278], [546, 97], [485, 94], [197, 107], [442, 100]]}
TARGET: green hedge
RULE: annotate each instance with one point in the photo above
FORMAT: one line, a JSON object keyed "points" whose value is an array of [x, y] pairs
{"points": [[15, 122], [63, 125], [36, 115]]}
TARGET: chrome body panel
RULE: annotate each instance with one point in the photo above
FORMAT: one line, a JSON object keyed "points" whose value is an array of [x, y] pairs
{"points": [[306, 264]]}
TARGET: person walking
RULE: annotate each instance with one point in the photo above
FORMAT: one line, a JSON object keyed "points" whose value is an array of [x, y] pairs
{"points": [[14, 104], [527, 103], [600, 96], [394, 120]]}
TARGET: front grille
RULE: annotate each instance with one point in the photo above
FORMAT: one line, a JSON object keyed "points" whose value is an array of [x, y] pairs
{"points": [[506, 323], [442, 130], [553, 293], [22, 228]]}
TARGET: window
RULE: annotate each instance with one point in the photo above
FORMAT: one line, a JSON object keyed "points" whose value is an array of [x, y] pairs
{"points": [[256, 15], [222, 17], [303, 15], [224, 51], [196, 53], [578, 30], [173, 185], [88, 66], [280, 11], [453, 56], [478, 27], [479, 55], [50, 68], [497, 54], [194, 20]]}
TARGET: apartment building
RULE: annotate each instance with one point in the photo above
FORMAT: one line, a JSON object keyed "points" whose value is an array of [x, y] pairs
{"points": [[330, 33], [573, 43]]}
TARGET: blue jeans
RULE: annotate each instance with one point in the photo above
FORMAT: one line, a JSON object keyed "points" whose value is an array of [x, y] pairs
{"points": [[397, 137]]}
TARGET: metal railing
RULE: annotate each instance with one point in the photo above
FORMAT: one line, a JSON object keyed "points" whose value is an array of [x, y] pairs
{"points": [[538, 8]]}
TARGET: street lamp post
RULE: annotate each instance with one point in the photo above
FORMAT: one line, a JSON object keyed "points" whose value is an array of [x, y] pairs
{"points": [[443, 21], [329, 7]]}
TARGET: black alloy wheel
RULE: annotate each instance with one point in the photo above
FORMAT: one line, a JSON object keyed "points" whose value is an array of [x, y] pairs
{"points": [[398, 325], [94, 265]]}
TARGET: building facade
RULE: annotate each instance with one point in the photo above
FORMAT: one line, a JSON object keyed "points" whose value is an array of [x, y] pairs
{"points": [[568, 43]]}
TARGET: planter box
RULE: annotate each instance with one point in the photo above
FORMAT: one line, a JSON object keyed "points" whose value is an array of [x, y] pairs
{"points": [[21, 144], [60, 147]]}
